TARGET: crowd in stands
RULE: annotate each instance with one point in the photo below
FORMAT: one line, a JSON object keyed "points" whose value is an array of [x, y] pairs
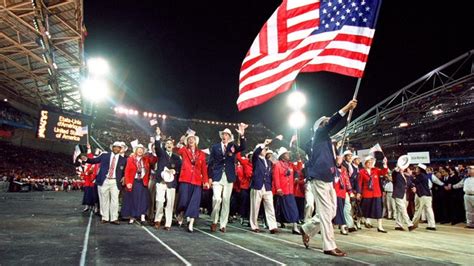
{"points": [[42, 170], [10, 114]]}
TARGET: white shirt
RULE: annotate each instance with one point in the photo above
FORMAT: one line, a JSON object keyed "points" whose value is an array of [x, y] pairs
{"points": [[142, 170], [469, 185], [388, 187], [223, 147], [117, 156]]}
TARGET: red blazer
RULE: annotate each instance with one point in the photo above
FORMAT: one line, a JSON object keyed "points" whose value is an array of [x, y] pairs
{"points": [[239, 173], [131, 169], [299, 184], [343, 184], [90, 172], [281, 180], [248, 171], [364, 182], [194, 174]]}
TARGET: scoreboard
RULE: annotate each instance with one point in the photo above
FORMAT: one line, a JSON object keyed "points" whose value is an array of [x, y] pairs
{"points": [[61, 126]]}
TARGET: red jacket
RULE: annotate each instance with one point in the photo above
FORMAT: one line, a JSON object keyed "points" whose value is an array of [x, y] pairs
{"points": [[90, 172], [364, 179], [239, 172], [131, 169], [248, 171], [299, 184], [283, 178], [342, 184], [196, 173]]}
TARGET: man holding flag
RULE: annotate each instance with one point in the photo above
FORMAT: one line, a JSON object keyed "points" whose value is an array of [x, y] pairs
{"points": [[310, 36]]}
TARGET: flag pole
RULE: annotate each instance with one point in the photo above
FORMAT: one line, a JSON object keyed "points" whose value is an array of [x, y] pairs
{"points": [[349, 117], [359, 80]]}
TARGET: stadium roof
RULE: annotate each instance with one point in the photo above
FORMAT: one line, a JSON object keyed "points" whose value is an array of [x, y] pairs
{"points": [[435, 108], [41, 52]]}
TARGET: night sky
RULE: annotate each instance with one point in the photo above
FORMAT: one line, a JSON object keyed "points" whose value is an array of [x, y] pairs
{"points": [[183, 57]]}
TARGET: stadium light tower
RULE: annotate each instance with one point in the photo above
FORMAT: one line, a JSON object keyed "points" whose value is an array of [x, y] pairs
{"points": [[297, 119], [296, 100]]}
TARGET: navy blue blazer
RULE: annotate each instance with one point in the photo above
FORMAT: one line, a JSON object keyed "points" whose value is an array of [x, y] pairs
{"points": [[261, 175], [104, 160], [164, 160], [220, 162], [322, 163], [421, 183], [400, 185]]}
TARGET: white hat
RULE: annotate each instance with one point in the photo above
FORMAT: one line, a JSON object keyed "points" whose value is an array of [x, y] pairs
{"points": [[191, 135], [167, 175], [367, 158], [347, 152], [282, 151], [318, 122], [124, 146], [116, 144], [139, 146], [422, 166], [355, 157], [228, 132], [403, 162]]}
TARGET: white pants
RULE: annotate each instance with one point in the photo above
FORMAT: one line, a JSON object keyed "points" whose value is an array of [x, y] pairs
{"points": [[402, 213], [325, 211], [425, 204], [390, 206], [256, 197], [161, 191], [348, 212], [310, 203], [222, 191], [469, 206], [109, 200]]}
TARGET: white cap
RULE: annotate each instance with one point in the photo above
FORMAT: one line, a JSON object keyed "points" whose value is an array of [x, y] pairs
{"points": [[282, 151], [422, 166]]}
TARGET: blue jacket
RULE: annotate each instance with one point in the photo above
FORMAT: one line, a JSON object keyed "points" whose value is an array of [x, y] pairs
{"points": [[220, 162], [261, 175], [164, 160], [422, 185], [104, 160], [400, 185], [322, 163]]}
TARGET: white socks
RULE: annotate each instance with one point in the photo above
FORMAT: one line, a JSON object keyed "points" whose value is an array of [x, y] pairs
{"points": [[379, 224], [191, 223]]}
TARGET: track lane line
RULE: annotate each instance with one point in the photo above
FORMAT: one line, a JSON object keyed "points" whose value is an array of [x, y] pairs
{"points": [[186, 262], [239, 246], [82, 262]]}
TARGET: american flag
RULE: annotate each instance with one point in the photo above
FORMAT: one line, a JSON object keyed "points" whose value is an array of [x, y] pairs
{"points": [[307, 36]]}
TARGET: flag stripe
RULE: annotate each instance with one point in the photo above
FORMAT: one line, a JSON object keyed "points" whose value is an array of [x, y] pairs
{"points": [[269, 63], [334, 35], [346, 33]]}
